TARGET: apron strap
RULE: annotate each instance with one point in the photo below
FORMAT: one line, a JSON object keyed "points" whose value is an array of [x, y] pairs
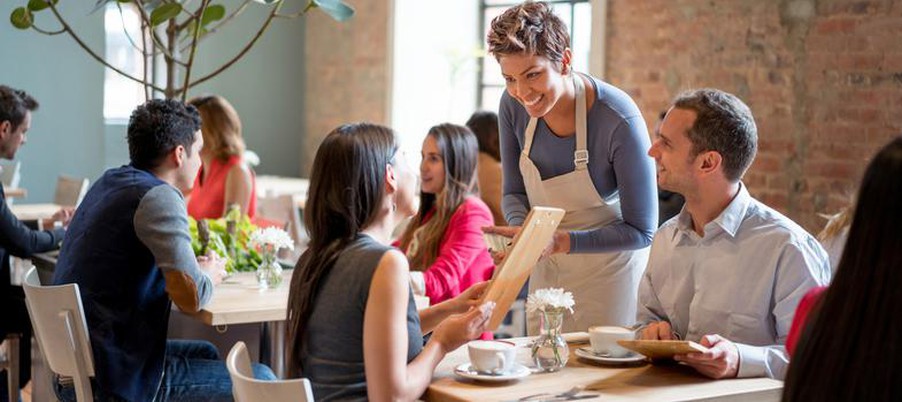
{"points": [[581, 155], [528, 135]]}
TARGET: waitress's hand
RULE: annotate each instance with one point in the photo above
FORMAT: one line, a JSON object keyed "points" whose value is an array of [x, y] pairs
{"points": [[506, 231], [560, 243]]}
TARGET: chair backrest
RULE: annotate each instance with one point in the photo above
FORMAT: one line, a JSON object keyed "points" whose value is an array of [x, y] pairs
{"points": [[70, 191], [9, 175], [283, 208], [61, 330], [245, 388]]}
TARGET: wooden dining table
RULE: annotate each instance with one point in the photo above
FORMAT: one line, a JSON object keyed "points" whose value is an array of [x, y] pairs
{"points": [[34, 212], [637, 382], [240, 300]]}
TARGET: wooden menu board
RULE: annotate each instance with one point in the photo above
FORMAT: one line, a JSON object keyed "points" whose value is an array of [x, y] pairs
{"points": [[660, 349], [527, 247]]}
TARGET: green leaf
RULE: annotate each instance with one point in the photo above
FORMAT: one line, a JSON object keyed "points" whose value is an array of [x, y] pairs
{"points": [[337, 9], [21, 18], [38, 5], [213, 13], [165, 13]]}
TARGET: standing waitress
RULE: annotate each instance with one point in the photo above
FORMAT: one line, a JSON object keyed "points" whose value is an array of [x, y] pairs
{"points": [[571, 141]]}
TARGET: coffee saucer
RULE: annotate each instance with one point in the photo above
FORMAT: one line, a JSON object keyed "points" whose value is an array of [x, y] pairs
{"points": [[589, 354], [466, 370]]}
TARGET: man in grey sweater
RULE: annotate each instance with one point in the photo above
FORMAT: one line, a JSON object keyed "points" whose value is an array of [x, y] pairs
{"points": [[129, 249]]}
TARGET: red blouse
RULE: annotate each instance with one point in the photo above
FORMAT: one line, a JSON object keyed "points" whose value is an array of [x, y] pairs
{"points": [[801, 317], [208, 196]]}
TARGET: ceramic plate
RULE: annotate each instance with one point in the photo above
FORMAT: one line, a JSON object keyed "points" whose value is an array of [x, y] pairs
{"points": [[467, 371], [589, 354]]}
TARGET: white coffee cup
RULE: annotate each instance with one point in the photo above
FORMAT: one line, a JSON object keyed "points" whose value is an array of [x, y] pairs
{"points": [[604, 340], [492, 357]]}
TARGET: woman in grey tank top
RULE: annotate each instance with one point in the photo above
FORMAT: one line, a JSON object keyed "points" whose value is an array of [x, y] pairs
{"points": [[350, 300]]}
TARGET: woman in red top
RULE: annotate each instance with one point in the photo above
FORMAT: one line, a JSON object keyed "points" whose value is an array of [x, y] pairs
{"points": [[224, 179], [443, 241], [848, 348]]}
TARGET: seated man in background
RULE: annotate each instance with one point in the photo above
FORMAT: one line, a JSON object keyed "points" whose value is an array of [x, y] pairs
{"points": [[15, 238], [129, 250], [728, 271]]}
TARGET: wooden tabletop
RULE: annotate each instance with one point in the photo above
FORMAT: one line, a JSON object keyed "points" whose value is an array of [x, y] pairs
{"points": [[33, 212], [239, 300], [14, 192], [637, 383]]}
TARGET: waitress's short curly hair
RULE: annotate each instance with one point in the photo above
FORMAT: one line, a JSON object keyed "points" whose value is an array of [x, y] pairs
{"points": [[531, 28]]}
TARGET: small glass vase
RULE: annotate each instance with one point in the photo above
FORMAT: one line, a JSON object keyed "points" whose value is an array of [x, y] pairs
{"points": [[550, 351], [269, 273]]}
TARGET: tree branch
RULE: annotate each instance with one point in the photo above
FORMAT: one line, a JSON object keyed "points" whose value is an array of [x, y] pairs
{"points": [[46, 32], [272, 14], [157, 41], [91, 52], [197, 27], [310, 5], [222, 23]]}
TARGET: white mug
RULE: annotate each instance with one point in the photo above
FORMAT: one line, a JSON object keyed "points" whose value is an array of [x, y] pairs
{"points": [[604, 340], [492, 357]]}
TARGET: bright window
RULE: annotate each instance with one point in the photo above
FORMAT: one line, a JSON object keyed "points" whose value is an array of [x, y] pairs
{"points": [[123, 37]]}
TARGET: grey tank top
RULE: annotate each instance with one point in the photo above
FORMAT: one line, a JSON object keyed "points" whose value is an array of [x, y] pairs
{"points": [[332, 355]]}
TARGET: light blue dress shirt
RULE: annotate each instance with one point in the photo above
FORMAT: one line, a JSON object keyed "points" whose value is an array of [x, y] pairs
{"points": [[741, 280]]}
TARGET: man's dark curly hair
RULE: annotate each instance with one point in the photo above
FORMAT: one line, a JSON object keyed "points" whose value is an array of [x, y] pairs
{"points": [[157, 127], [14, 104]]}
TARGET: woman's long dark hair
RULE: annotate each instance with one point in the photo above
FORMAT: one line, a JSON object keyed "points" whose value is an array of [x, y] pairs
{"points": [[347, 186], [484, 125], [851, 348], [459, 153]]}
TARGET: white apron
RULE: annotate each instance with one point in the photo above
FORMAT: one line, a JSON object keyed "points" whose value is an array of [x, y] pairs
{"points": [[604, 285]]}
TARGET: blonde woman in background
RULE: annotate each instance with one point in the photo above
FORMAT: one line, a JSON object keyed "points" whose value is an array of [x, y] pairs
{"points": [[224, 179], [835, 234]]}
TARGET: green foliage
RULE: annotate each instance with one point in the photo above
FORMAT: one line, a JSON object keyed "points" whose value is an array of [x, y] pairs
{"points": [[21, 18], [165, 13], [186, 24], [38, 5], [335, 8], [240, 257]]}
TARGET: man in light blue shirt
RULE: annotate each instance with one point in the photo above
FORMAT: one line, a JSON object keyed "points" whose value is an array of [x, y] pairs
{"points": [[728, 271]]}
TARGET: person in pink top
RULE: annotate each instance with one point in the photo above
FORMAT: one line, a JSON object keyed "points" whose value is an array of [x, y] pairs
{"points": [[224, 179], [443, 241]]}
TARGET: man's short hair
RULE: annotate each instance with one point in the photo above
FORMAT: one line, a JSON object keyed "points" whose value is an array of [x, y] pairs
{"points": [[14, 104], [157, 127], [724, 124]]}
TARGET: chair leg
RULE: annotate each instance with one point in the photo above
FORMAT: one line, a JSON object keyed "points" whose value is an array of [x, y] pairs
{"points": [[12, 371]]}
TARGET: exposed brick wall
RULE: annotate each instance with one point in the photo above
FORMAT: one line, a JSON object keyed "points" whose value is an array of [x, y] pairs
{"points": [[347, 72], [823, 79]]}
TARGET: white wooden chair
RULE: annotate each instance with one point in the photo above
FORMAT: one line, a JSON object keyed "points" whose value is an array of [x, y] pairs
{"points": [[283, 208], [61, 330], [10, 363], [245, 388], [70, 191]]}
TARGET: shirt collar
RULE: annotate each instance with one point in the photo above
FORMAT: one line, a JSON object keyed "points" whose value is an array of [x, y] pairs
{"points": [[729, 219]]}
